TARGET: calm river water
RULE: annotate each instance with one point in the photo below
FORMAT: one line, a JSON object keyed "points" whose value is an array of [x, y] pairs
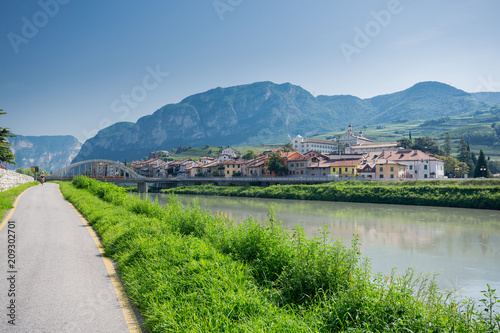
{"points": [[462, 245]]}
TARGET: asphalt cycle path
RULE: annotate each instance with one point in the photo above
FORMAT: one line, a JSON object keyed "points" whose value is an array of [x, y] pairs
{"points": [[53, 277]]}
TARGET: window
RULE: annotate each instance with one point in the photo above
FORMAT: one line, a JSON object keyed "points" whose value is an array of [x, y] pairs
{"points": [[425, 167], [381, 176], [346, 169], [228, 172], [411, 167], [392, 168], [334, 170], [392, 176], [381, 170], [425, 176]]}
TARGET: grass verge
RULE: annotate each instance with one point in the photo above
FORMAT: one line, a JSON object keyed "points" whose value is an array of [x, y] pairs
{"points": [[465, 194], [189, 271], [7, 197]]}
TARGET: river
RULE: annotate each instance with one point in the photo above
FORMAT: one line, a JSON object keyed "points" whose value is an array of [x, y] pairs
{"points": [[462, 245]]}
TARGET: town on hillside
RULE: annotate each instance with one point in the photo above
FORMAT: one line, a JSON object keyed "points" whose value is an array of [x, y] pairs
{"points": [[350, 157]]}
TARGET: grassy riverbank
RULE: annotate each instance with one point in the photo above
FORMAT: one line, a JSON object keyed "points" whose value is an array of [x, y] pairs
{"points": [[483, 194], [187, 271], [8, 197]]}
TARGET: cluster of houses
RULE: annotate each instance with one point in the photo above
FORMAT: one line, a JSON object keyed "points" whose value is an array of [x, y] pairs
{"points": [[352, 156]]}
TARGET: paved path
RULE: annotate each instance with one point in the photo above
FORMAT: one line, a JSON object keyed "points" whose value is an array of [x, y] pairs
{"points": [[60, 280]]}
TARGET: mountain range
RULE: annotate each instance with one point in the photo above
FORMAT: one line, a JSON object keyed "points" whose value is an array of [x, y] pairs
{"points": [[266, 112], [47, 152]]}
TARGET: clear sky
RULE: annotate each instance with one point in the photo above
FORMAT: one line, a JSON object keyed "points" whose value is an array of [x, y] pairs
{"points": [[74, 67]]}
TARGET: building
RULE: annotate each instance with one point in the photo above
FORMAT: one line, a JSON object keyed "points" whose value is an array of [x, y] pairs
{"points": [[230, 169], [154, 167], [345, 168], [322, 146], [367, 170], [299, 166], [349, 139], [207, 160], [290, 155], [320, 168], [254, 167], [420, 165], [227, 154], [159, 153], [387, 169], [367, 147]]}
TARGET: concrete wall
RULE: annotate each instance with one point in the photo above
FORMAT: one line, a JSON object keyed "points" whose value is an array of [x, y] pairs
{"points": [[9, 179]]}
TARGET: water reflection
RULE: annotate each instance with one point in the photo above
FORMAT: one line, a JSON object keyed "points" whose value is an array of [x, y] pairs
{"points": [[463, 245]]}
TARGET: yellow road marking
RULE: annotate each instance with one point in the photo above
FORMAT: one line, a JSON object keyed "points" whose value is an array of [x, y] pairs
{"points": [[128, 312], [4, 222]]}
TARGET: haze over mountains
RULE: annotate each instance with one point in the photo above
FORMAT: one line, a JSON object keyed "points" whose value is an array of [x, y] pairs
{"points": [[47, 152], [265, 112]]}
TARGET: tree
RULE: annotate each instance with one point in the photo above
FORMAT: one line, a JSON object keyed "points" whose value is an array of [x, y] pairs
{"points": [[481, 169], [494, 166], [464, 154], [427, 144], [447, 144], [288, 147], [249, 155], [453, 167], [5, 150], [405, 143], [275, 165]]}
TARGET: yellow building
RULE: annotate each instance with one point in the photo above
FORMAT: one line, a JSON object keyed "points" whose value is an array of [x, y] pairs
{"points": [[345, 168], [229, 169], [387, 169]]}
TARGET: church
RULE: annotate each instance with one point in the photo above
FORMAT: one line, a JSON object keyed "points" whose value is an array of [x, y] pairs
{"points": [[348, 139]]}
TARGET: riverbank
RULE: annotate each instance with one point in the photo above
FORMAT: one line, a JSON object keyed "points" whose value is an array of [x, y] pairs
{"points": [[481, 194], [188, 270]]}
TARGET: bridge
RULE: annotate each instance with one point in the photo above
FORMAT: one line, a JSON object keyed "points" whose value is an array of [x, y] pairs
{"points": [[117, 173], [104, 170]]}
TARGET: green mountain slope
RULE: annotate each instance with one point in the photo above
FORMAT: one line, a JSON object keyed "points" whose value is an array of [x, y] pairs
{"points": [[265, 112]]}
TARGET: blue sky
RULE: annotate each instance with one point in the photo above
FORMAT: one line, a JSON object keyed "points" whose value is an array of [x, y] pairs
{"points": [[74, 67]]}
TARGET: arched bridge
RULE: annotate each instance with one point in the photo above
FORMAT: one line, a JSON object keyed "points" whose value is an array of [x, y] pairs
{"points": [[105, 170]]}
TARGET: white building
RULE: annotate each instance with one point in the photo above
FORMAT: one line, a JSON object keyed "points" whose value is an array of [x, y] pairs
{"points": [[322, 146], [227, 154], [420, 165], [363, 148], [348, 139]]}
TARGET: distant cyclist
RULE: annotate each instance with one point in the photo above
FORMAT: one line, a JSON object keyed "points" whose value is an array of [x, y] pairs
{"points": [[42, 177]]}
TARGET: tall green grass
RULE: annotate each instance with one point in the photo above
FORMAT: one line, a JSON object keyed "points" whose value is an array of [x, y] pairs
{"points": [[189, 271], [8, 197], [465, 194]]}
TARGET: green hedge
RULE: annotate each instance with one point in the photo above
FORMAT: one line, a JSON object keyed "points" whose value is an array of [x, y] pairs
{"points": [[189, 271], [484, 195]]}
